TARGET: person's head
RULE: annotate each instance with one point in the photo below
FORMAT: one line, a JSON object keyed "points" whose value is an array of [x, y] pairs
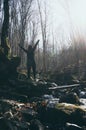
{"points": [[29, 47]]}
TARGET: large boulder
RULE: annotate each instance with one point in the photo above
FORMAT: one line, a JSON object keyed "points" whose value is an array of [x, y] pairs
{"points": [[8, 66], [62, 113]]}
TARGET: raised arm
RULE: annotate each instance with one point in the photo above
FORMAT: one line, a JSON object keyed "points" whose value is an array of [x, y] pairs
{"points": [[35, 45], [23, 48]]}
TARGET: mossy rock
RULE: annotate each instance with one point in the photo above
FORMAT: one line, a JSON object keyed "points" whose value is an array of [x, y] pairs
{"points": [[14, 63], [8, 67], [5, 106], [75, 113], [69, 108], [62, 113]]}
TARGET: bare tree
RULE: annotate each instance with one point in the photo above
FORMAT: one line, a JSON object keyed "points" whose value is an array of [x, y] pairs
{"points": [[33, 30], [14, 26], [5, 26], [43, 23], [20, 14], [25, 14]]}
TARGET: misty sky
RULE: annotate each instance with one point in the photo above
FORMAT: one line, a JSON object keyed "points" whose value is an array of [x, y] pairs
{"points": [[67, 12], [66, 17]]}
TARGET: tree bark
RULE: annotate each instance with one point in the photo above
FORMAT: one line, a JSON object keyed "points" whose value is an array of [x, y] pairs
{"points": [[5, 27]]}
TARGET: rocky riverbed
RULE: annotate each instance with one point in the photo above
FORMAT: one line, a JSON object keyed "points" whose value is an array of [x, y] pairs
{"points": [[40, 105]]}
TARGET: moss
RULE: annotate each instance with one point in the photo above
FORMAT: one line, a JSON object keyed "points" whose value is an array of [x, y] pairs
{"points": [[8, 65], [69, 108], [1, 50], [8, 48]]}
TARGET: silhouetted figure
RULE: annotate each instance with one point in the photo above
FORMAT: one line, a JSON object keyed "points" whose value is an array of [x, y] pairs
{"points": [[30, 59]]}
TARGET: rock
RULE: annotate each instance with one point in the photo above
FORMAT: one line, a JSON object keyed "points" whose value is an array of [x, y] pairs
{"points": [[3, 125], [62, 113], [70, 98], [22, 77], [82, 94], [13, 64], [28, 114], [75, 114], [13, 96], [53, 85], [6, 124], [21, 125], [36, 125], [50, 101], [5, 106], [8, 114], [47, 97], [70, 126], [8, 66]]}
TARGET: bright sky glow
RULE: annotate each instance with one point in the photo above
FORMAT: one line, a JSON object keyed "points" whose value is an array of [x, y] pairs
{"points": [[68, 14], [66, 18]]}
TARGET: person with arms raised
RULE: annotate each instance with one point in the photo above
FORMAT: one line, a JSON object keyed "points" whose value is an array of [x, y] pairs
{"points": [[30, 58]]}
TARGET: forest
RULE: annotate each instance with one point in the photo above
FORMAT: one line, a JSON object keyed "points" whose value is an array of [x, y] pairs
{"points": [[42, 68]]}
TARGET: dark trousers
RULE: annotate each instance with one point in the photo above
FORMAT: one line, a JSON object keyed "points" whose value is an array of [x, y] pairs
{"points": [[33, 66]]}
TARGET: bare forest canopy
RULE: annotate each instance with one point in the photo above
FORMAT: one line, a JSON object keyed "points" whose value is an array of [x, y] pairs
{"points": [[28, 21]]}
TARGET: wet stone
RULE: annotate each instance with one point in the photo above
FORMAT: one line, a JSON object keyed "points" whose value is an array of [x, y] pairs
{"points": [[28, 114]]}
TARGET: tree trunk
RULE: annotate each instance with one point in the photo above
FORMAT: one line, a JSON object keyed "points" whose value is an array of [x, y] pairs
{"points": [[5, 27]]}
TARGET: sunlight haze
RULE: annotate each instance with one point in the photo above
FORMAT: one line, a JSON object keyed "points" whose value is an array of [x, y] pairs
{"points": [[68, 14]]}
